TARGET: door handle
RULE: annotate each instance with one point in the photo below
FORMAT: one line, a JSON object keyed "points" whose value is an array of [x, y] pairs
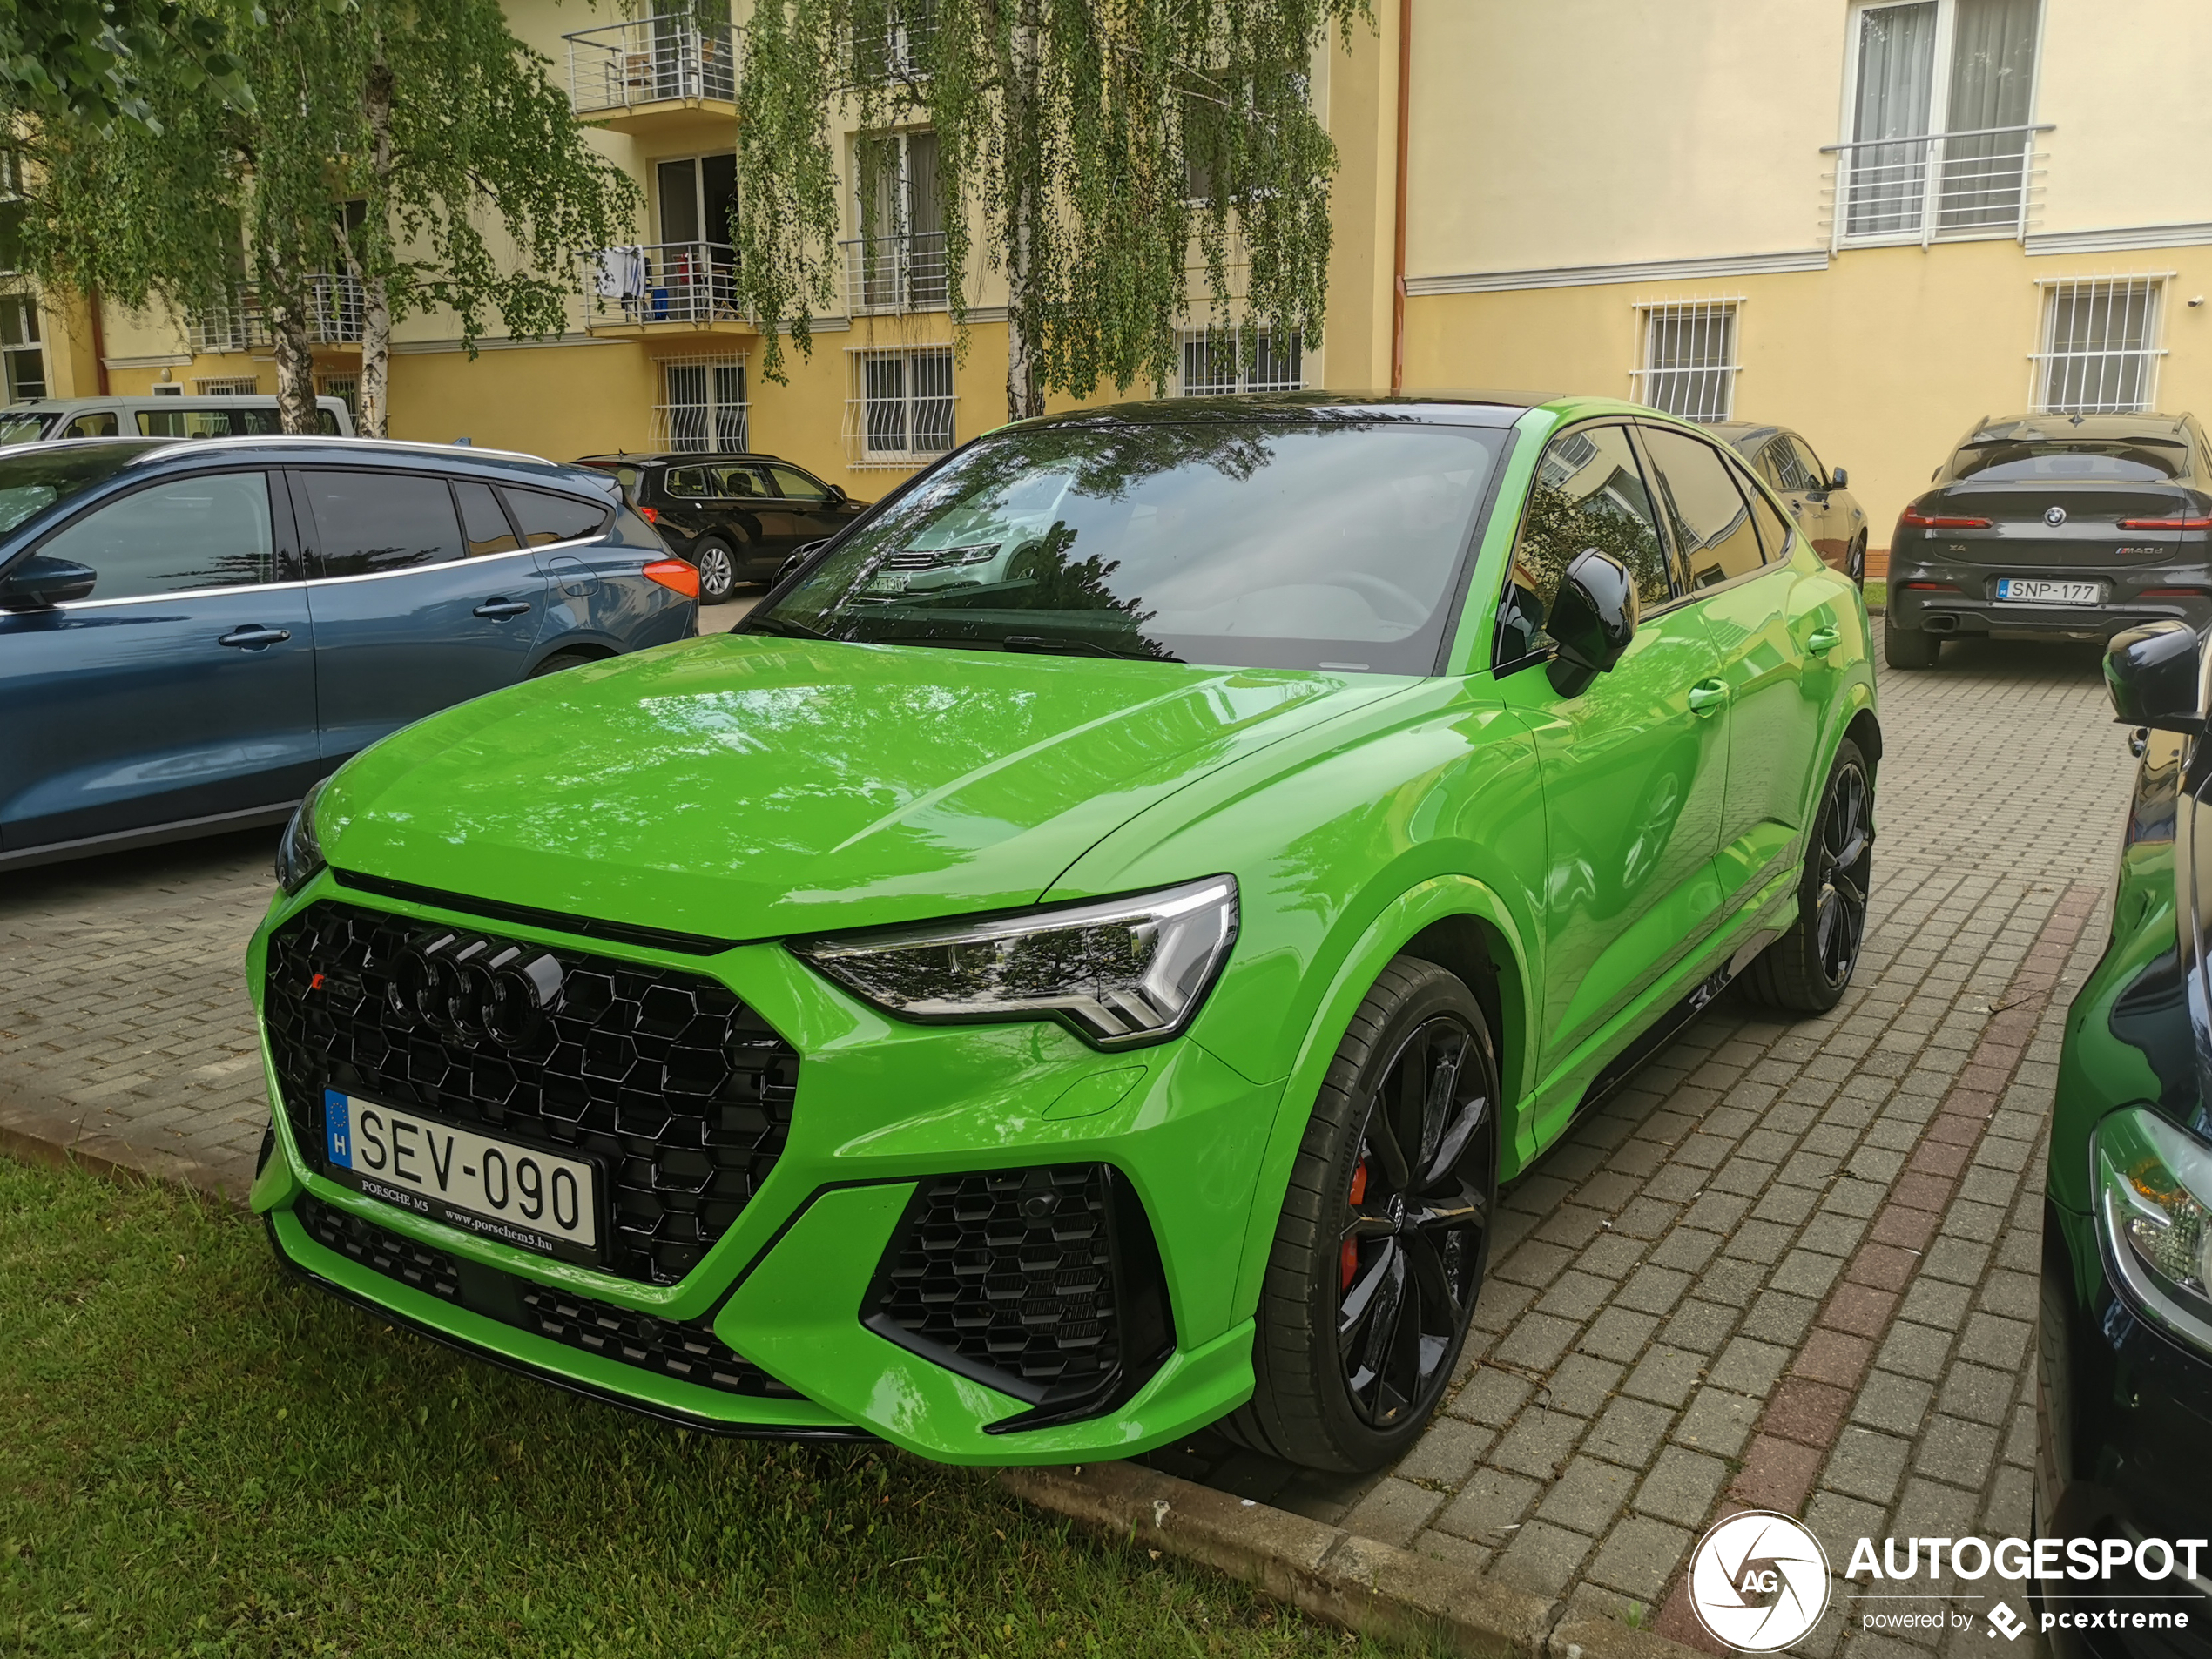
{"points": [[1822, 641], [1706, 696], [500, 610], [252, 637]]}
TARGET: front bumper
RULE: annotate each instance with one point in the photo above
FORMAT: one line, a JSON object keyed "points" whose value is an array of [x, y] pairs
{"points": [[776, 1324], [2124, 1445]]}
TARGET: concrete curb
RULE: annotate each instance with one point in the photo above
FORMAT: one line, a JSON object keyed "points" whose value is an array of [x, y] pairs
{"points": [[45, 1135], [1376, 1589]]}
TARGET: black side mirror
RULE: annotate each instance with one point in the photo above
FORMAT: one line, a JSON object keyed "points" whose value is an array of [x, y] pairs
{"points": [[837, 493], [2153, 673], [1839, 479], [799, 558], [39, 583], [1591, 621]]}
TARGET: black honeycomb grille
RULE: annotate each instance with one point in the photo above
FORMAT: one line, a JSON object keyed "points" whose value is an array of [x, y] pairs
{"points": [[681, 1093], [689, 1353], [1043, 1282]]}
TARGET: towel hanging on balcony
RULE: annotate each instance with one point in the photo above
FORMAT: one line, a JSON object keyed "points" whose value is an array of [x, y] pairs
{"points": [[621, 273]]}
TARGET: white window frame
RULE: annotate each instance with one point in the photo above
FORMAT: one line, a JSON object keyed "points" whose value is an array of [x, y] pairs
{"points": [[1649, 383], [675, 420], [860, 446], [1229, 341], [1929, 229], [899, 269], [227, 386], [2103, 372], [34, 343]]}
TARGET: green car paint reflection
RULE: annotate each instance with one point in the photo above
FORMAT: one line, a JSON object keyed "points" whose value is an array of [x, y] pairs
{"points": [[1284, 656]]}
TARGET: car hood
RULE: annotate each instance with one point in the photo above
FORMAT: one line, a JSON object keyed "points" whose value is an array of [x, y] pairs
{"points": [[747, 787]]}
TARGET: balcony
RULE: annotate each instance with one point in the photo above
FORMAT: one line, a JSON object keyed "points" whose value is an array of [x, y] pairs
{"points": [[1935, 187], [635, 75], [662, 288], [241, 322], [886, 275]]}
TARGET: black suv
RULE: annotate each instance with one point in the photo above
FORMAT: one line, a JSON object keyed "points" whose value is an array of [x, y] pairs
{"points": [[734, 518]]}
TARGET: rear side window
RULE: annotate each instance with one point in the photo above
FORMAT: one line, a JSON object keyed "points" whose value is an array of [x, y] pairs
{"points": [[224, 424], [547, 517], [482, 524], [681, 484], [1774, 525], [211, 531], [1589, 492], [100, 424], [369, 523], [1714, 537]]}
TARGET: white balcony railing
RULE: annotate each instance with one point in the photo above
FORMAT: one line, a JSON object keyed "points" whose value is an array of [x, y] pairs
{"points": [[1935, 187], [660, 282], [891, 273], [241, 322], [649, 61]]}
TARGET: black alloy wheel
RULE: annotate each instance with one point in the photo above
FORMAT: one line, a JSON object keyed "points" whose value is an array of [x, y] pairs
{"points": [[1855, 561], [1379, 1254], [1807, 969], [718, 569]]}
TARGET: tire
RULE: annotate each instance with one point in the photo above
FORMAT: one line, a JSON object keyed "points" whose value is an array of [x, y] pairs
{"points": [[1410, 1250], [1855, 561], [1910, 648], [1806, 969], [559, 660], [718, 566]]}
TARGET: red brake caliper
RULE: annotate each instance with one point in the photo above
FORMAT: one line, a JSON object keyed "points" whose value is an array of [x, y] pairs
{"points": [[1350, 1260]]}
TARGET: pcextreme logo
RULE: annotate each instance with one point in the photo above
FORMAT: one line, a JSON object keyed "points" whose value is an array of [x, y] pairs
{"points": [[1759, 1582]]}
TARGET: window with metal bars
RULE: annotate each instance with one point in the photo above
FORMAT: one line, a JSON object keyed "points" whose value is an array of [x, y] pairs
{"points": [[901, 408], [229, 386], [22, 358], [703, 409], [1689, 365], [1214, 365], [2100, 349]]}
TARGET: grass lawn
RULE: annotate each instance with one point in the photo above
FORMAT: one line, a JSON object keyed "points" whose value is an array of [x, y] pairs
{"points": [[1877, 591], [197, 1456]]}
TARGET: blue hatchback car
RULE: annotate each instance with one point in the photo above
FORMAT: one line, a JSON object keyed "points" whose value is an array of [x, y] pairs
{"points": [[193, 633]]}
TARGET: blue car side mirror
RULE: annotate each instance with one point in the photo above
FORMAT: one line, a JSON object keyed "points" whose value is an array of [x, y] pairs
{"points": [[39, 583]]}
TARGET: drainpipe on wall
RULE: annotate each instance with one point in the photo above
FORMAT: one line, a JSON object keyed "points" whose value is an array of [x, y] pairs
{"points": [[1398, 246], [99, 345]]}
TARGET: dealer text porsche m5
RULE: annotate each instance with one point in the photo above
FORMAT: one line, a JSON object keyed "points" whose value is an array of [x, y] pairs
{"points": [[1078, 962]]}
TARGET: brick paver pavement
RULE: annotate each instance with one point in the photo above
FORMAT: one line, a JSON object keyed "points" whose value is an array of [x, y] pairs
{"points": [[1794, 1264]]}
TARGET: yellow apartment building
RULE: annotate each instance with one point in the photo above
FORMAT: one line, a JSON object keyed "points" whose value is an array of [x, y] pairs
{"points": [[1872, 220]]}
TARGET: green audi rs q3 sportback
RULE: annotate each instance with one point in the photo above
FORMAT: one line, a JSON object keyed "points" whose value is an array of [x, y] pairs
{"points": [[1077, 963]]}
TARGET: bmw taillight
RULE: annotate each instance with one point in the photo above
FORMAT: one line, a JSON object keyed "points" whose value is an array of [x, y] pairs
{"points": [[2166, 523], [1908, 518], [676, 576]]}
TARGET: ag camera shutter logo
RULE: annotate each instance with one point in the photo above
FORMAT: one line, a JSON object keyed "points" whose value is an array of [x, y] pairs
{"points": [[1759, 1582]]}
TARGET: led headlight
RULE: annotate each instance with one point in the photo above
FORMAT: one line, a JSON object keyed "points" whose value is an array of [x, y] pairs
{"points": [[299, 855], [2155, 1211], [1121, 973]]}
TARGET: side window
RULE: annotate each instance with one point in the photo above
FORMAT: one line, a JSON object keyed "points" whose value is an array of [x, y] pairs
{"points": [[1714, 537], [739, 483], [546, 517], [211, 531], [1774, 526], [482, 524], [1816, 475], [1785, 470], [99, 425], [794, 485], [372, 521], [1589, 492], [685, 483]]}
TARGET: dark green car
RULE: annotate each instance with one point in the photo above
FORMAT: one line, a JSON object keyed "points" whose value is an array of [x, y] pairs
{"points": [[1075, 964]]}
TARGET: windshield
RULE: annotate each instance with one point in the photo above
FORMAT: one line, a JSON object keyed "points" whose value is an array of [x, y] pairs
{"points": [[32, 483], [23, 429], [1330, 545], [2010, 461]]}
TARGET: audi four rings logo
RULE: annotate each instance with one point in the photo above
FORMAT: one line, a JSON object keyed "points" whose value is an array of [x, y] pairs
{"points": [[463, 985], [2055, 516]]}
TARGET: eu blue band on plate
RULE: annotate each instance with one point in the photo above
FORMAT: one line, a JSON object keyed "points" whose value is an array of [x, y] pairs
{"points": [[338, 1127]]}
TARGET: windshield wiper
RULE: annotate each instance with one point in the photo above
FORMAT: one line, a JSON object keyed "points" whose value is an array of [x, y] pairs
{"points": [[782, 626], [1078, 648]]}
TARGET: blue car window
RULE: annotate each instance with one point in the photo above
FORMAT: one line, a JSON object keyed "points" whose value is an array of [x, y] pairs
{"points": [[209, 531], [547, 517], [482, 522], [369, 523]]}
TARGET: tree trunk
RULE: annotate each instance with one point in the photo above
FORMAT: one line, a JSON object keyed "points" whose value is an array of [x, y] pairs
{"points": [[376, 309], [1024, 121], [295, 364]]}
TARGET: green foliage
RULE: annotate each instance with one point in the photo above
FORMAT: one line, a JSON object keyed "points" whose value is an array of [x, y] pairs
{"points": [[89, 60], [1095, 143], [199, 1456]]}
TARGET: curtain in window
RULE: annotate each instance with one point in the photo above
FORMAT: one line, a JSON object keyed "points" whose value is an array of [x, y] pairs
{"points": [[1896, 92], [925, 224], [1993, 74]]}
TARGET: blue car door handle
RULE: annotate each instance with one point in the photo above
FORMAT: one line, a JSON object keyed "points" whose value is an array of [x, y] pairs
{"points": [[252, 637], [500, 610]]}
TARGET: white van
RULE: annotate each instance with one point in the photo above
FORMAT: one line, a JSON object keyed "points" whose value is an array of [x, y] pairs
{"points": [[250, 416]]}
